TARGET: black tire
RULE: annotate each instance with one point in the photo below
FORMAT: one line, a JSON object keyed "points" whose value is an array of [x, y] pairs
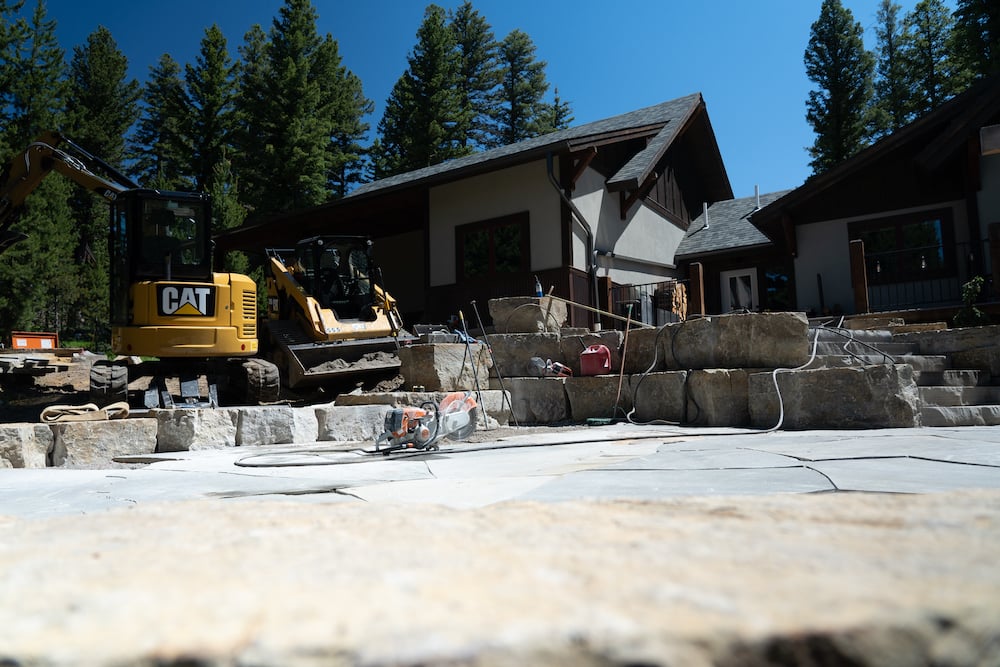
{"points": [[108, 382]]}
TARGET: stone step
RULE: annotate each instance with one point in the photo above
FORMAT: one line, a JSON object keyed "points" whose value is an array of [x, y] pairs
{"points": [[920, 363], [958, 396], [976, 415], [845, 346], [867, 336], [952, 378]]}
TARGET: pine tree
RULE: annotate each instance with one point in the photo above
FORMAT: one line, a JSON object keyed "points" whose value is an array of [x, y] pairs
{"points": [[555, 116], [11, 36], [838, 110], [207, 124], [418, 127], [156, 150], [892, 94], [926, 56], [479, 74], [521, 90], [102, 106], [38, 87], [253, 71], [977, 37]]}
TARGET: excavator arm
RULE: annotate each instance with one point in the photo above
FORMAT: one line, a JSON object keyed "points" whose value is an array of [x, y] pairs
{"points": [[26, 171]]}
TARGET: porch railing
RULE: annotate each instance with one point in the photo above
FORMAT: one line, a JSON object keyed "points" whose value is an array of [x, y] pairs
{"points": [[931, 275], [652, 303]]}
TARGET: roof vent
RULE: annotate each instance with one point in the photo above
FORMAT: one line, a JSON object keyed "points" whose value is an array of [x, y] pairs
{"points": [[756, 196], [704, 212]]}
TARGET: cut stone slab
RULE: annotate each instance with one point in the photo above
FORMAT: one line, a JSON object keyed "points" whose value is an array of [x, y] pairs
{"points": [[645, 351], [527, 314], [538, 400], [193, 429], [25, 445], [750, 340], [513, 352], [883, 396], [99, 442], [658, 396], [444, 366], [276, 424]]}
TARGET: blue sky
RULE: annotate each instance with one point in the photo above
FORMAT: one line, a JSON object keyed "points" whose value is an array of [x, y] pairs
{"points": [[606, 58]]}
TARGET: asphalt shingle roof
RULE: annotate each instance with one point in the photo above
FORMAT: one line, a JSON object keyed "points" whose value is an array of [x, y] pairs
{"points": [[669, 113], [728, 227]]}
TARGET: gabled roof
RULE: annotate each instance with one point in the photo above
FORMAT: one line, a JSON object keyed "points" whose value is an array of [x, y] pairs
{"points": [[916, 162], [650, 121], [728, 227]]}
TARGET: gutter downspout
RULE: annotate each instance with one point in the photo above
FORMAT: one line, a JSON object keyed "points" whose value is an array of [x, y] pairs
{"points": [[591, 251]]}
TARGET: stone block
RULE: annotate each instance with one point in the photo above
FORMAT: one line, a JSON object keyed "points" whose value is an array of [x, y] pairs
{"points": [[444, 366], [745, 340], [276, 424], [351, 423], [644, 350], [538, 400], [25, 445], [185, 429], [99, 442], [513, 352], [527, 314], [719, 397], [570, 348], [598, 396], [658, 396], [882, 396]]}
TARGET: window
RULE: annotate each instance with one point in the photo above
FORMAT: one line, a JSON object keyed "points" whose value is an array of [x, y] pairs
{"points": [[492, 248], [908, 247]]}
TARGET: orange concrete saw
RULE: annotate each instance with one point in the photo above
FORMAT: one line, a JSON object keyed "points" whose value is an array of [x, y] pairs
{"points": [[420, 427]]}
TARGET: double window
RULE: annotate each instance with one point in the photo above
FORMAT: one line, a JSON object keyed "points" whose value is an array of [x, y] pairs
{"points": [[907, 247], [493, 248]]}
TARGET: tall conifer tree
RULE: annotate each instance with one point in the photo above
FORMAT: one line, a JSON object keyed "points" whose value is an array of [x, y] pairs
{"points": [[479, 74], [156, 149], [520, 98], [838, 109], [892, 93], [928, 63], [977, 37]]}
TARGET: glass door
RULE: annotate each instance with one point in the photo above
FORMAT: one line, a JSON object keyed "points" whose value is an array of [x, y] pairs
{"points": [[739, 290]]}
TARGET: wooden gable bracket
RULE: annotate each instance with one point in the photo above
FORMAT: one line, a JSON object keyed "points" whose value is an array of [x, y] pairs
{"points": [[628, 199], [580, 165]]}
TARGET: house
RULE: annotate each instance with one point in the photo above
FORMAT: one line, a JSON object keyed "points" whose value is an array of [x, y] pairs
{"points": [[902, 225], [584, 209]]}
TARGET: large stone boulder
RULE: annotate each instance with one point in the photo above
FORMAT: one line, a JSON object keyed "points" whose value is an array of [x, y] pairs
{"points": [[658, 396], [882, 396], [445, 366], [513, 352], [538, 400], [718, 397], [276, 424], [746, 340], [351, 423], [185, 429], [598, 396], [25, 445], [644, 350], [91, 443], [527, 314]]}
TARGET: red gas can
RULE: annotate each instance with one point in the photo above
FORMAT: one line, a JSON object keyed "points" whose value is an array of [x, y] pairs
{"points": [[595, 360]]}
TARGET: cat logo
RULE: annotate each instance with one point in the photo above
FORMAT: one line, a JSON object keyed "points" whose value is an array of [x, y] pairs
{"points": [[185, 300]]}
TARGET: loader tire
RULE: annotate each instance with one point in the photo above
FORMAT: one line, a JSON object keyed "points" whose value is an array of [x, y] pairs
{"points": [[259, 382], [108, 382]]}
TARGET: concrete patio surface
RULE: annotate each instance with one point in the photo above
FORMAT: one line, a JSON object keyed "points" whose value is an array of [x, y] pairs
{"points": [[613, 545]]}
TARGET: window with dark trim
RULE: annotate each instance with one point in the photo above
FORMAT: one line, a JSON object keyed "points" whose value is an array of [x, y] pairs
{"points": [[492, 248], [907, 247]]}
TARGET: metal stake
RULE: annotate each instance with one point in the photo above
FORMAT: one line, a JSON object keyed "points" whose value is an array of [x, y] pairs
{"points": [[505, 399]]}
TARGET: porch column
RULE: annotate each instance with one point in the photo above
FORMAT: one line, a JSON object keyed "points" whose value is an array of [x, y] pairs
{"points": [[994, 235], [696, 287], [859, 276]]}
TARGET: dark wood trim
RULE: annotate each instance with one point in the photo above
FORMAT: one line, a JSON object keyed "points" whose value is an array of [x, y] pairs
{"points": [[696, 289], [582, 163], [520, 219], [627, 200], [859, 277], [788, 230]]}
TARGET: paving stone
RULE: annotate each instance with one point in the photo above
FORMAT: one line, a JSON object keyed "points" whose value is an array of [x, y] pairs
{"points": [[93, 443], [25, 445]]}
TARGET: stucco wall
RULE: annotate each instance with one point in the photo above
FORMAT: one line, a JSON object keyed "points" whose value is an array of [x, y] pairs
{"points": [[642, 242], [989, 196], [500, 193]]}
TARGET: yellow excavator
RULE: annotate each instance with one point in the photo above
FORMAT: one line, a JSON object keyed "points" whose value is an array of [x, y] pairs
{"points": [[166, 301]]}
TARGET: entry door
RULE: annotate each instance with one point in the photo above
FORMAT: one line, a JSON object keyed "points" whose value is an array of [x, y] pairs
{"points": [[739, 290]]}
